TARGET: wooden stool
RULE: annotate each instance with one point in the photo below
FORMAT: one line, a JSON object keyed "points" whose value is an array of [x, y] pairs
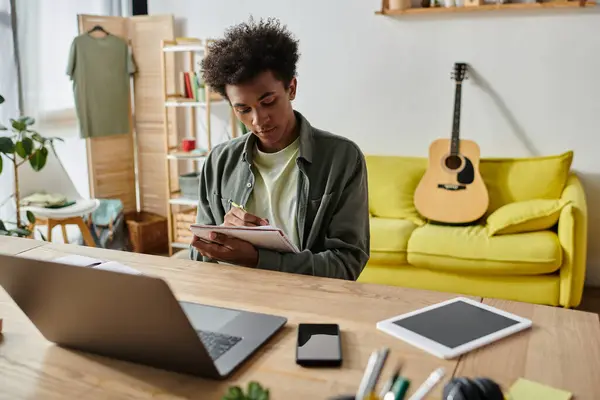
{"points": [[83, 227]]}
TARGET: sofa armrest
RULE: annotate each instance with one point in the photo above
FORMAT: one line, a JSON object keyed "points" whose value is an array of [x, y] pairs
{"points": [[572, 235]]}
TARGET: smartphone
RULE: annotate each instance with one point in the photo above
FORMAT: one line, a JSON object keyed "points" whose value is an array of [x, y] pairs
{"points": [[319, 345]]}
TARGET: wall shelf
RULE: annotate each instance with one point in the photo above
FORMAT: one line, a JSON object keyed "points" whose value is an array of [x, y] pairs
{"points": [[178, 200], [488, 7], [180, 101], [183, 155]]}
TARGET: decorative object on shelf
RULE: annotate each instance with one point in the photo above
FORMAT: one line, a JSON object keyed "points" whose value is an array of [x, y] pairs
{"points": [[255, 392], [399, 4], [189, 184], [188, 144], [24, 146], [452, 190]]}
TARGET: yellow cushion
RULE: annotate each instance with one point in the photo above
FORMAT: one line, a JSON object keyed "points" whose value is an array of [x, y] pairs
{"points": [[518, 179], [389, 240], [539, 289], [470, 250], [392, 184], [525, 216]]}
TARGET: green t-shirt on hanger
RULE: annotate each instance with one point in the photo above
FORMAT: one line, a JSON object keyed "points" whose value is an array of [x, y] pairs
{"points": [[100, 68]]}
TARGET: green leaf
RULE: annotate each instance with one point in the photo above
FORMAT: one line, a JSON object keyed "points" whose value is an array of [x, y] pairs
{"points": [[38, 159], [27, 120], [3, 233], [7, 146], [1, 165], [234, 393], [18, 125], [257, 392], [2, 227], [37, 137], [42, 235], [264, 395], [1, 99], [24, 147], [20, 232], [30, 217]]}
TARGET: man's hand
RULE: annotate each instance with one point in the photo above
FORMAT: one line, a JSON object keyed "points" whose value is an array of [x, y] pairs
{"points": [[238, 217], [227, 249]]}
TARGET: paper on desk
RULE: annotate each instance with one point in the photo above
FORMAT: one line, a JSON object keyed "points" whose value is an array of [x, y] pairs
{"points": [[524, 389], [117, 267], [82, 261]]}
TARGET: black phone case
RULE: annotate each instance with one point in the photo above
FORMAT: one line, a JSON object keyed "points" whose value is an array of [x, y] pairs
{"points": [[319, 362]]}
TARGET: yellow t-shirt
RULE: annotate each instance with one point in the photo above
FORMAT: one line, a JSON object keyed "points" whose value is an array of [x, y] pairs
{"points": [[275, 189]]}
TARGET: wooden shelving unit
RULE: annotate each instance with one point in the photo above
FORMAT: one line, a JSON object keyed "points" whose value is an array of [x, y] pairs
{"points": [[486, 7], [181, 210]]}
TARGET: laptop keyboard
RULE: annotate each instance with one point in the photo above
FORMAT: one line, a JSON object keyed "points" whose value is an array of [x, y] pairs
{"points": [[217, 343]]}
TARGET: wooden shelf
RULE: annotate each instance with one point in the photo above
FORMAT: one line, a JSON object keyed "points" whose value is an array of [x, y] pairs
{"points": [[183, 44], [489, 7], [180, 101], [189, 155], [178, 200], [195, 48]]}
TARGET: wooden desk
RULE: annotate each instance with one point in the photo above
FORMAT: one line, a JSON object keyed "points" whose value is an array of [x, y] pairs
{"points": [[564, 354]]}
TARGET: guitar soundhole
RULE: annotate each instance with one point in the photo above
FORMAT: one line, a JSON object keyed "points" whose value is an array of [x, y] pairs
{"points": [[453, 162]]}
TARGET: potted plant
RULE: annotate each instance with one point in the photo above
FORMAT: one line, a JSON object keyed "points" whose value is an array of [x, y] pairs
{"points": [[23, 145], [255, 392]]}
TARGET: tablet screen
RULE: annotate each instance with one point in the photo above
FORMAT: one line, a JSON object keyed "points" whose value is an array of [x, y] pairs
{"points": [[455, 324]]}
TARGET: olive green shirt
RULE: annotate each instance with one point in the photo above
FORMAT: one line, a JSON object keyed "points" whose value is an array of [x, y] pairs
{"points": [[100, 69], [332, 196]]}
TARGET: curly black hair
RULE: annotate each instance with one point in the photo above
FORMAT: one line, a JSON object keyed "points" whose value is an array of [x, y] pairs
{"points": [[247, 50]]}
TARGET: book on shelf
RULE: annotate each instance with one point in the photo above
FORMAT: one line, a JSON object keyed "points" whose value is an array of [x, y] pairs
{"points": [[194, 87]]}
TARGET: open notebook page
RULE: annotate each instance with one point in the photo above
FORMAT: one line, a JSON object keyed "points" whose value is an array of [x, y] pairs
{"points": [[265, 237]]}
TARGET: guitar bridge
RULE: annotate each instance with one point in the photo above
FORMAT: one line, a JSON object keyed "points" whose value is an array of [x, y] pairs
{"points": [[451, 186]]}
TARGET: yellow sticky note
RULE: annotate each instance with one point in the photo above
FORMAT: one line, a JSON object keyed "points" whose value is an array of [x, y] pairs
{"points": [[524, 389]]}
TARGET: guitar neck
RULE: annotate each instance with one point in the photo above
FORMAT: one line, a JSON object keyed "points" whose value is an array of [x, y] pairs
{"points": [[454, 146]]}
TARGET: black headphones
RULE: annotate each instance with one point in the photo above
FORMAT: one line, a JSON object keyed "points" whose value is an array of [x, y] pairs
{"points": [[472, 389]]}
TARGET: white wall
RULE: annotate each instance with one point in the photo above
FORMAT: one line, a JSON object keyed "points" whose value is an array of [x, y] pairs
{"points": [[384, 82], [9, 109]]}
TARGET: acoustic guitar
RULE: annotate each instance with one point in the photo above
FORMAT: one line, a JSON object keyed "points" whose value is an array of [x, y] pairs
{"points": [[452, 190]]}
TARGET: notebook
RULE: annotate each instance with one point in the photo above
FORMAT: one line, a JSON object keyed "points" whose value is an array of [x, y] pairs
{"points": [[89, 262], [524, 389], [263, 237]]}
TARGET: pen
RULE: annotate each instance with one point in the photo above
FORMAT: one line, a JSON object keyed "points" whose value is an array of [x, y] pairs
{"points": [[238, 206], [362, 388], [429, 384], [380, 362], [388, 385], [398, 389]]}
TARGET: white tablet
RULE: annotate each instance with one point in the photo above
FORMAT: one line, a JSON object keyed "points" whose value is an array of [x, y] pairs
{"points": [[453, 327]]}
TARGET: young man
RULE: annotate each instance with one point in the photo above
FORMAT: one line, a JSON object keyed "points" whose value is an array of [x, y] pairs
{"points": [[310, 183]]}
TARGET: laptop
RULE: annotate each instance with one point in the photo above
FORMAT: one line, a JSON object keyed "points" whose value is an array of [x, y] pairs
{"points": [[134, 318]]}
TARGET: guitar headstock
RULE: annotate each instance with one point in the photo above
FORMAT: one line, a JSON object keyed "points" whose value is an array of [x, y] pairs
{"points": [[459, 73]]}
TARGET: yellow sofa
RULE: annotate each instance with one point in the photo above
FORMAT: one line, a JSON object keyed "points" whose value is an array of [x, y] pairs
{"points": [[545, 266]]}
